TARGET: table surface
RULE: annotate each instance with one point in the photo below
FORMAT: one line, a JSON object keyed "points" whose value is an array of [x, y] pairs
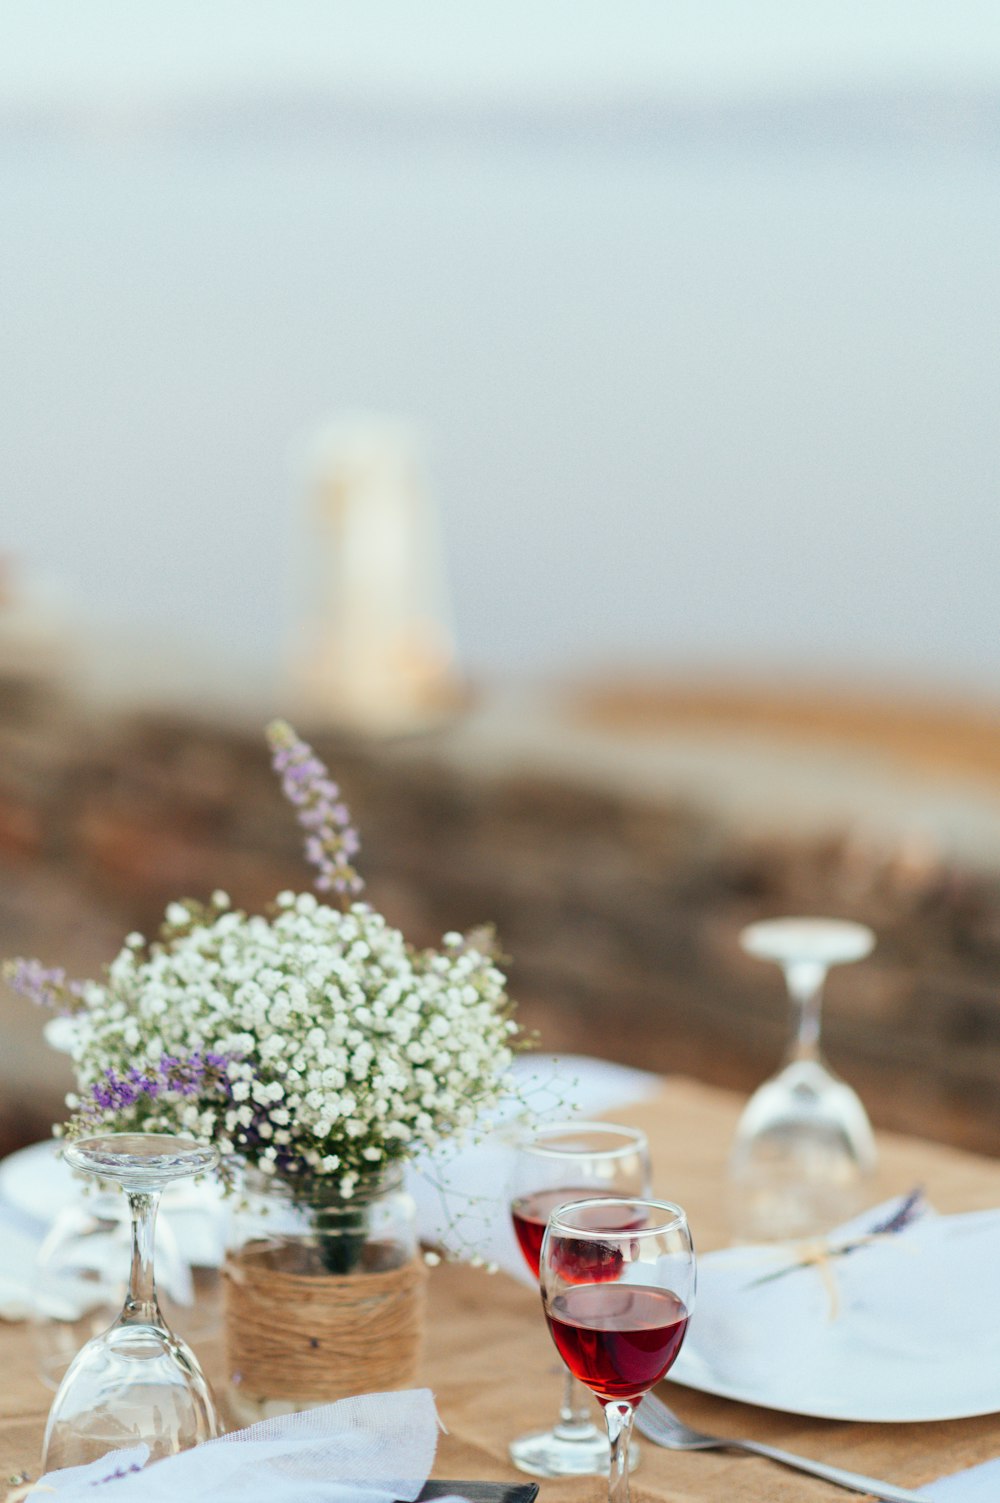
{"points": [[490, 1362]]}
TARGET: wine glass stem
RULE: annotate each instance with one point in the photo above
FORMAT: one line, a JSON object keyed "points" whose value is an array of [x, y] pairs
{"points": [[574, 1414], [618, 1417], [805, 980], [140, 1302]]}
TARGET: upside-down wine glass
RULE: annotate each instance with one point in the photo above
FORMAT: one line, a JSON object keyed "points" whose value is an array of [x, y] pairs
{"points": [[618, 1283], [560, 1162], [137, 1382], [804, 1146]]}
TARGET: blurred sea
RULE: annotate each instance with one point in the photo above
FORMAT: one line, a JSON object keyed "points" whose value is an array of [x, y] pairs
{"points": [[698, 387]]}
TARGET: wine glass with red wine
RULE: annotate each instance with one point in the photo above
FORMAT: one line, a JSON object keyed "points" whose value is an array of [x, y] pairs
{"points": [[618, 1281], [560, 1162]]}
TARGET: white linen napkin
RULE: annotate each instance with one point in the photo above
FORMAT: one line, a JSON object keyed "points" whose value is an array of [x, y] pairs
{"points": [[907, 1329], [370, 1449], [979, 1484], [18, 1249], [31, 1283]]}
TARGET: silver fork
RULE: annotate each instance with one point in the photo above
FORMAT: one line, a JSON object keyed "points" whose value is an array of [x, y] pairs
{"points": [[660, 1424]]}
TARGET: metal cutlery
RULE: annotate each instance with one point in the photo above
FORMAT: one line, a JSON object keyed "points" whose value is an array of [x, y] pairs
{"points": [[660, 1425]]}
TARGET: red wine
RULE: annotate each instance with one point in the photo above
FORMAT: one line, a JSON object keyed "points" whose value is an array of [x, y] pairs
{"points": [[586, 1261], [530, 1214], [619, 1339]]}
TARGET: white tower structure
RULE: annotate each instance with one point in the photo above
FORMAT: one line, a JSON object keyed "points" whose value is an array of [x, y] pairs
{"points": [[375, 653]]}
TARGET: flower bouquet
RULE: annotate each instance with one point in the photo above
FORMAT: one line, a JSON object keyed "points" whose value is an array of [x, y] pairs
{"points": [[318, 1051]]}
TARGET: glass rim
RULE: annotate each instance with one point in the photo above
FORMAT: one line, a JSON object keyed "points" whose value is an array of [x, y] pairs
{"points": [[635, 1139], [677, 1217], [178, 1144]]}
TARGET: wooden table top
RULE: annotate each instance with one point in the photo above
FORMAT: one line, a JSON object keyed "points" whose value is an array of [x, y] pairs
{"points": [[492, 1366]]}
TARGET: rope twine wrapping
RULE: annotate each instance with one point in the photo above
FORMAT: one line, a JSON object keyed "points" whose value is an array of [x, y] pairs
{"points": [[322, 1337]]}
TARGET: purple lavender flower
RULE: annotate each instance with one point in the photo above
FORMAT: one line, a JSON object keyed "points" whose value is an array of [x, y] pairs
{"points": [[910, 1209], [190, 1076], [331, 840], [117, 1474], [46, 986]]}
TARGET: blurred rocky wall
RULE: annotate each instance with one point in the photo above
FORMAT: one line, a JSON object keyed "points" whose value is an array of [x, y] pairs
{"points": [[620, 912]]}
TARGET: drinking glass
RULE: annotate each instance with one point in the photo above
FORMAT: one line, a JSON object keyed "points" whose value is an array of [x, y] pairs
{"points": [[137, 1382], [561, 1162], [618, 1282], [804, 1146]]}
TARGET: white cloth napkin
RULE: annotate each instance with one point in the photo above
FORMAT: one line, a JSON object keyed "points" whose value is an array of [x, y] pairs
{"points": [[34, 1282], [980, 1484], [914, 1333], [370, 1449], [18, 1250]]}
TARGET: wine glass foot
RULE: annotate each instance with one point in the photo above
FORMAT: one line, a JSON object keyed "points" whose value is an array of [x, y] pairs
{"points": [[566, 1451]]}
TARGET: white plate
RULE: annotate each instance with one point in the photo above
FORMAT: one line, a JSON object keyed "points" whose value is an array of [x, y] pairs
{"points": [[915, 1335]]}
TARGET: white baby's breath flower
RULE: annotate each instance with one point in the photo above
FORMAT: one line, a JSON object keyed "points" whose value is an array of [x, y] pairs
{"points": [[339, 1049]]}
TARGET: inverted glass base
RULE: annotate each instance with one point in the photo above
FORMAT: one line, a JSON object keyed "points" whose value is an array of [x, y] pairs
{"points": [[566, 1451]]}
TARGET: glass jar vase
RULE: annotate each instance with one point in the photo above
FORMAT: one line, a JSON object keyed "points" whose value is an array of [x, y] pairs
{"points": [[324, 1296]]}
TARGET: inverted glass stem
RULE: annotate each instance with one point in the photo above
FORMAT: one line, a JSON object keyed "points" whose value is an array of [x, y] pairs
{"points": [[618, 1416], [574, 1413], [805, 980], [140, 1301]]}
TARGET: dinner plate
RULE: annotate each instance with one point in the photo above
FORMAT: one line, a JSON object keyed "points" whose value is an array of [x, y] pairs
{"points": [[906, 1328]]}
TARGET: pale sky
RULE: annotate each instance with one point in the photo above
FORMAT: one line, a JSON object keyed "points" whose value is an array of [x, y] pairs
{"points": [[120, 50]]}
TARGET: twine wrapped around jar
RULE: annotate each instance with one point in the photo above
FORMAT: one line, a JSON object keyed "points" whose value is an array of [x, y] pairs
{"points": [[324, 1297], [318, 1338]]}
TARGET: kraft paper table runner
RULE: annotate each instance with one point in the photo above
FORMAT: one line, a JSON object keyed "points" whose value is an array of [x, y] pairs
{"points": [[491, 1364]]}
